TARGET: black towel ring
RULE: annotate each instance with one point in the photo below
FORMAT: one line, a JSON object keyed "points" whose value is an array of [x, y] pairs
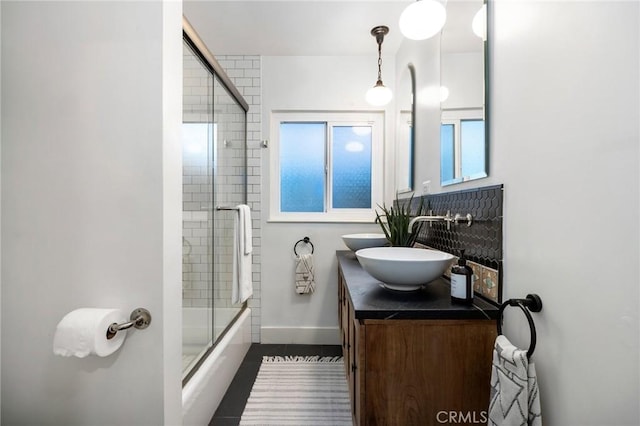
{"points": [[531, 303], [305, 240]]}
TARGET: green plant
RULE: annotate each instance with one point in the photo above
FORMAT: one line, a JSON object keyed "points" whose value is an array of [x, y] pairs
{"points": [[395, 222]]}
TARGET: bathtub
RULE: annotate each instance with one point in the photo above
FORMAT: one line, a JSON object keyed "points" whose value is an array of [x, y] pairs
{"points": [[206, 388], [197, 333]]}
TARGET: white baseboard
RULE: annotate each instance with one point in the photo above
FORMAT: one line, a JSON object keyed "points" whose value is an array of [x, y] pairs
{"points": [[300, 335]]}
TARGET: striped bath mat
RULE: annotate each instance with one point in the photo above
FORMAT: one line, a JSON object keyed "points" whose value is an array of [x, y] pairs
{"points": [[299, 391]]}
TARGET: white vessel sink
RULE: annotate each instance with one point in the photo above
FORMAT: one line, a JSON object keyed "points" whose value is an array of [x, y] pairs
{"points": [[361, 241], [404, 268]]}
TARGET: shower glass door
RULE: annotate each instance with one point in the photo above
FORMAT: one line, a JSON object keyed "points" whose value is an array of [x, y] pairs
{"points": [[198, 134], [214, 183], [229, 190]]}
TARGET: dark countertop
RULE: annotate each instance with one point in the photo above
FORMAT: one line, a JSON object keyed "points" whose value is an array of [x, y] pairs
{"points": [[433, 301]]}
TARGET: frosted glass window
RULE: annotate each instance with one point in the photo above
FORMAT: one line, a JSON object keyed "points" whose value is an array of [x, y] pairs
{"points": [[327, 166], [447, 149], [351, 171], [473, 147], [302, 167]]}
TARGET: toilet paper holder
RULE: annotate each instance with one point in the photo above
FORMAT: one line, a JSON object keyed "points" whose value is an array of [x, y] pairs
{"points": [[140, 318]]}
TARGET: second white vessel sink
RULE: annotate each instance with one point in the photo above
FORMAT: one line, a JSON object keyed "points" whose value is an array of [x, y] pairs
{"points": [[361, 241], [404, 268]]}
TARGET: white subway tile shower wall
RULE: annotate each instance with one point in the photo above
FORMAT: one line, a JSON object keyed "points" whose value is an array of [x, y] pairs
{"points": [[245, 73], [229, 190]]}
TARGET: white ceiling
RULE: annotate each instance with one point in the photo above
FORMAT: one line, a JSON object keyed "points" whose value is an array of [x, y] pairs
{"points": [[295, 28], [299, 27]]}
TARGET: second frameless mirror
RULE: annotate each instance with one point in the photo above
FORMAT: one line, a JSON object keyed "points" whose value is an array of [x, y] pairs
{"points": [[405, 131]]}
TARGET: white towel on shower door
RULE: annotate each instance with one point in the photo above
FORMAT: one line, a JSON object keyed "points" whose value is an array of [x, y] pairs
{"points": [[515, 400], [242, 286]]}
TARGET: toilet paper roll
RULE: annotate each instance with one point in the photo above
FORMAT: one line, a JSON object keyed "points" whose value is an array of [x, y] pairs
{"points": [[83, 332]]}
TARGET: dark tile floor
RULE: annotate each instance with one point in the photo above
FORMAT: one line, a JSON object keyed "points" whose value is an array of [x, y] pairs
{"points": [[232, 405]]}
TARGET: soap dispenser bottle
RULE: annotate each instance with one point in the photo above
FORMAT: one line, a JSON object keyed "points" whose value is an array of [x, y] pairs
{"points": [[462, 281]]}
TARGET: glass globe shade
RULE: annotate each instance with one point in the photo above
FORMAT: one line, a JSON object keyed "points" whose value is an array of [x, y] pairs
{"points": [[444, 93], [422, 19], [379, 95], [479, 23]]}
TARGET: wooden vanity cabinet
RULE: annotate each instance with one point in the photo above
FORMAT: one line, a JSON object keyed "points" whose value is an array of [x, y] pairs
{"points": [[415, 372], [352, 339]]}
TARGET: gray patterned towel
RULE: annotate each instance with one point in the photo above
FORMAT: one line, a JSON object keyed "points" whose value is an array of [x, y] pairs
{"points": [[305, 278], [515, 400]]}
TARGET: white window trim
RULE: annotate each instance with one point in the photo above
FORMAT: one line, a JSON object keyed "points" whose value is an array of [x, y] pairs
{"points": [[348, 118]]}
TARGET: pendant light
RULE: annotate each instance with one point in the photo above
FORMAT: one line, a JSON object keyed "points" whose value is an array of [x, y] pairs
{"points": [[479, 23], [379, 94], [422, 19]]}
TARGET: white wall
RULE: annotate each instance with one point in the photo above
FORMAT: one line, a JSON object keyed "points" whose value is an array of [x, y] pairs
{"points": [[0, 209], [565, 121], [311, 83], [91, 206], [462, 75], [564, 141], [171, 210]]}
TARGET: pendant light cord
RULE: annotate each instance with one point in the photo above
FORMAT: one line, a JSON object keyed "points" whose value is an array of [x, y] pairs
{"points": [[379, 32], [379, 61], [379, 95]]}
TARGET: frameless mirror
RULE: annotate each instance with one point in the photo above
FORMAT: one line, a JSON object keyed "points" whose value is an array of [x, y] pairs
{"points": [[405, 130], [463, 130]]}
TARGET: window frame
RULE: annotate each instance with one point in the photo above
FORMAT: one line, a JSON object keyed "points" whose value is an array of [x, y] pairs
{"points": [[455, 117], [332, 119]]}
